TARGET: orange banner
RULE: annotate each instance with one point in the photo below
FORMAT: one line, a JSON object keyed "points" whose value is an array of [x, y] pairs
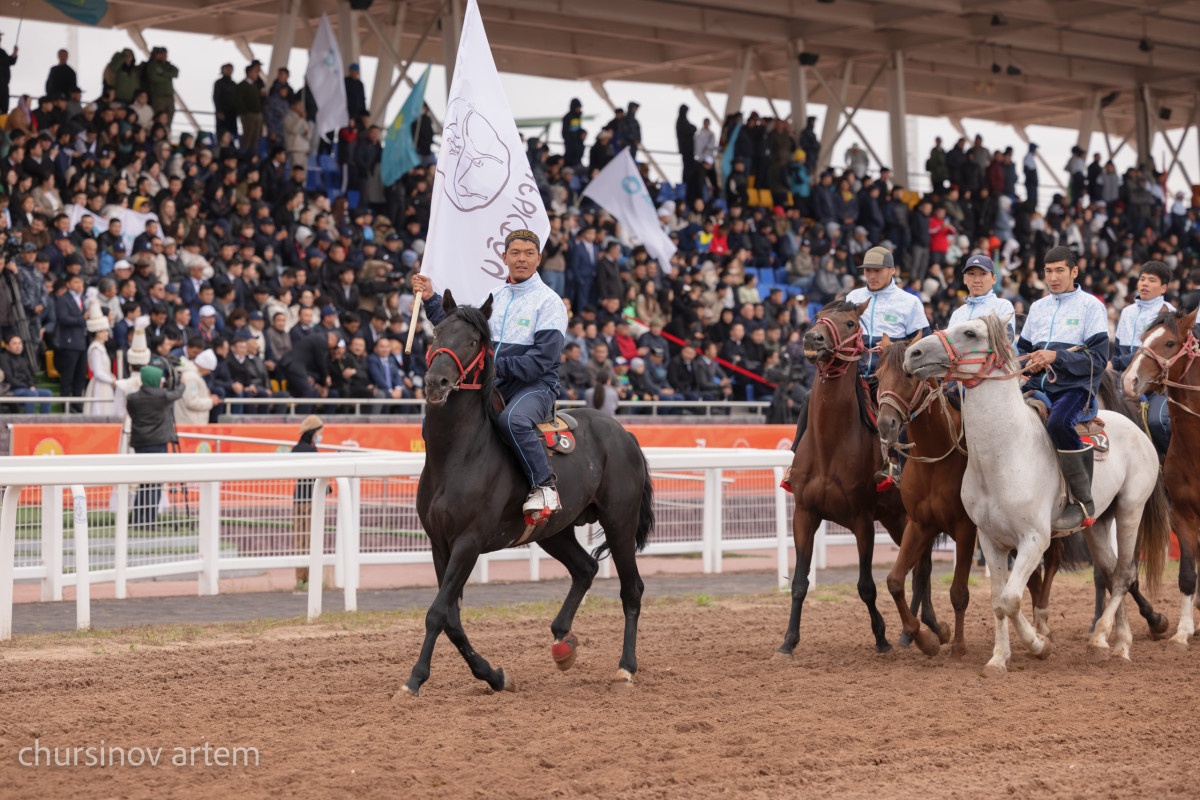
{"points": [[75, 439]]}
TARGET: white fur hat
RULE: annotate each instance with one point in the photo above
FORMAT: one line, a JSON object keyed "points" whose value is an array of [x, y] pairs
{"points": [[139, 352], [97, 319]]}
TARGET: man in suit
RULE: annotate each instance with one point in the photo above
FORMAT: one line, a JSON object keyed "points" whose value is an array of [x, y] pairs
{"points": [[387, 373], [582, 265], [71, 347], [608, 272], [681, 374], [306, 368]]}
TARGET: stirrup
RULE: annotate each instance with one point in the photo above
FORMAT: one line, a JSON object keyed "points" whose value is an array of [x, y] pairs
{"points": [[888, 477], [540, 504], [1066, 519], [786, 483]]}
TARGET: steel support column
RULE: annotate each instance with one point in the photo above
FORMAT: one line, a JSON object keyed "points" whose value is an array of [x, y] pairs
{"points": [[451, 30], [833, 113], [285, 37], [898, 119], [1087, 122], [389, 43], [1143, 129], [738, 79], [797, 86], [347, 33]]}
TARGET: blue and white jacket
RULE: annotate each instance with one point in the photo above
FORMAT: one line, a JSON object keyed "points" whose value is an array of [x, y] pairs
{"points": [[982, 306], [893, 313], [1059, 322], [1135, 318], [529, 327]]}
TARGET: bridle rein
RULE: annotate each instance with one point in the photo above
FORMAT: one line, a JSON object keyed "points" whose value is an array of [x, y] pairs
{"points": [[845, 352], [915, 407], [477, 365], [1190, 351]]}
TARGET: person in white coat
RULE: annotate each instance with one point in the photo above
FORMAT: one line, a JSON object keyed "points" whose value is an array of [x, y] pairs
{"points": [[197, 400], [101, 388]]}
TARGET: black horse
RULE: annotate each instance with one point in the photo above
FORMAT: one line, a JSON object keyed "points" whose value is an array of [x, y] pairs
{"points": [[471, 490]]}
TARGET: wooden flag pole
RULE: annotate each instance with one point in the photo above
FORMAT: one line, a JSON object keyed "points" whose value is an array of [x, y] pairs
{"points": [[413, 321]]}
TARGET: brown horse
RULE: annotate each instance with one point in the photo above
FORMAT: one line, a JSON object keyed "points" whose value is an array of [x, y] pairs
{"points": [[833, 472], [930, 487], [1167, 358]]}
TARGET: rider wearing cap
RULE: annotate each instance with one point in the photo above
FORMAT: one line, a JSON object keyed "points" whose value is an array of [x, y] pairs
{"points": [[893, 312], [1065, 337], [1135, 318], [529, 327], [979, 274]]}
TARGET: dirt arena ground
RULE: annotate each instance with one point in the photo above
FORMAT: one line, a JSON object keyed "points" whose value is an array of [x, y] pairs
{"points": [[710, 715]]}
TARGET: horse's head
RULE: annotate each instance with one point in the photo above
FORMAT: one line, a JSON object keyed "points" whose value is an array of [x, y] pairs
{"points": [[1166, 342], [900, 394], [463, 339], [963, 352], [834, 330]]}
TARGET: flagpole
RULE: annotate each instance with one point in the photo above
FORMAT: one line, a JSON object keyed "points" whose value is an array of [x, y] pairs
{"points": [[412, 323]]}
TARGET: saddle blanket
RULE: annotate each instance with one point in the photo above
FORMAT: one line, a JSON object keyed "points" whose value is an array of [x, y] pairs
{"points": [[556, 433]]}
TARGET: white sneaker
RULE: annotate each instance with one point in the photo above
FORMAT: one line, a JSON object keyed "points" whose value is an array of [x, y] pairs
{"points": [[542, 502]]}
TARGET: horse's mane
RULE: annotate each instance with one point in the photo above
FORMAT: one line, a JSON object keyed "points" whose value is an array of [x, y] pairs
{"points": [[892, 357], [997, 332], [837, 305], [1169, 319], [487, 380]]}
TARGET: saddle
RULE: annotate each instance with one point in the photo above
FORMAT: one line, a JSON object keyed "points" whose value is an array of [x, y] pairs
{"points": [[556, 433], [1091, 431]]}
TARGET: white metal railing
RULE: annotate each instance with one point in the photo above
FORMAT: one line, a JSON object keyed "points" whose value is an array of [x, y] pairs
{"points": [[230, 512]]}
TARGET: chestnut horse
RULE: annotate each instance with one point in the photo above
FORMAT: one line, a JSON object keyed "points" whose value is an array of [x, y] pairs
{"points": [[833, 471], [1167, 357], [931, 487]]}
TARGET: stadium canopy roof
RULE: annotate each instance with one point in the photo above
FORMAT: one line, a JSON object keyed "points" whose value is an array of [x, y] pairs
{"points": [[1128, 68]]}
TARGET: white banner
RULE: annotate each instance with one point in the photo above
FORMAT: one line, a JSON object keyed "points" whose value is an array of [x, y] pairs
{"points": [[620, 190], [484, 188], [326, 80]]}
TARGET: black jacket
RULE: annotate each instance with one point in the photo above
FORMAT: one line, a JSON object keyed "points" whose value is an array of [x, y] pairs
{"points": [[309, 356], [17, 373], [152, 415]]}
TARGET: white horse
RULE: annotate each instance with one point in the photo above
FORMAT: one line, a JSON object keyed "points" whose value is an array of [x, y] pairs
{"points": [[1013, 487]]}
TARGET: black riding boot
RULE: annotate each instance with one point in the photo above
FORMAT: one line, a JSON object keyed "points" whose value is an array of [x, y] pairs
{"points": [[1077, 467]]}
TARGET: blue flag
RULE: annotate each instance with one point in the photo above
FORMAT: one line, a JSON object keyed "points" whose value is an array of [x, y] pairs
{"points": [[89, 12], [727, 156], [399, 146]]}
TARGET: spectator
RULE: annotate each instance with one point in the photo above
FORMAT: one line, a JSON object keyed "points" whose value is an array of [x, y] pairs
{"points": [[160, 83], [14, 365], [356, 93], [248, 100], [71, 344], [123, 76], [61, 81], [224, 99], [6, 64], [152, 430], [603, 395], [297, 134], [310, 437], [106, 401], [197, 400]]}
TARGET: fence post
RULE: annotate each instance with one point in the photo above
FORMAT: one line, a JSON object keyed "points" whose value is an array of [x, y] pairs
{"points": [[83, 584], [339, 533], [480, 573], [708, 524], [718, 542], [353, 533], [8, 546], [121, 546], [535, 572], [208, 527], [781, 528], [316, 557], [52, 545]]}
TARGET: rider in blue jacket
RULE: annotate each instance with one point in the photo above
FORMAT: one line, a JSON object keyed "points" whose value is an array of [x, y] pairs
{"points": [[1135, 318], [979, 274], [529, 327], [1066, 339]]}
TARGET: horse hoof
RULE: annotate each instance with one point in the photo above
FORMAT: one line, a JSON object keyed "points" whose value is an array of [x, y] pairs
{"points": [[928, 643], [623, 679], [1098, 653], [904, 641], [1179, 643], [995, 670], [883, 648], [563, 652], [509, 684], [1159, 628], [406, 693], [944, 633], [780, 655], [1044, 653]]}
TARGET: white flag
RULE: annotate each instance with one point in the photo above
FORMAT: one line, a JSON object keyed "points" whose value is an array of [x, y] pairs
{"points": [[484, 188], [326, 80], [620, 190]]}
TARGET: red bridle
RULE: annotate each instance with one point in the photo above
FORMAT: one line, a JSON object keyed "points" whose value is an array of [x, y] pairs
{"points": [[844, 352], [922, 398], [1190, 350], [990, 362], [477, 364]]}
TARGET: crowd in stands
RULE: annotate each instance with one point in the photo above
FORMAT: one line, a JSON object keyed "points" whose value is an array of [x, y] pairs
{"points": [[275, 281]]}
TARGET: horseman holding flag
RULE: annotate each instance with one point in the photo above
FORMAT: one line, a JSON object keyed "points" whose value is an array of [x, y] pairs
{"points": [[529, 327]]}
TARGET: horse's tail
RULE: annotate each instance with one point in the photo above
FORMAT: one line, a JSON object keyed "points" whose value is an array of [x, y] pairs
{"points": [[1154, 535], [1071, 551], [646, 512]]}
